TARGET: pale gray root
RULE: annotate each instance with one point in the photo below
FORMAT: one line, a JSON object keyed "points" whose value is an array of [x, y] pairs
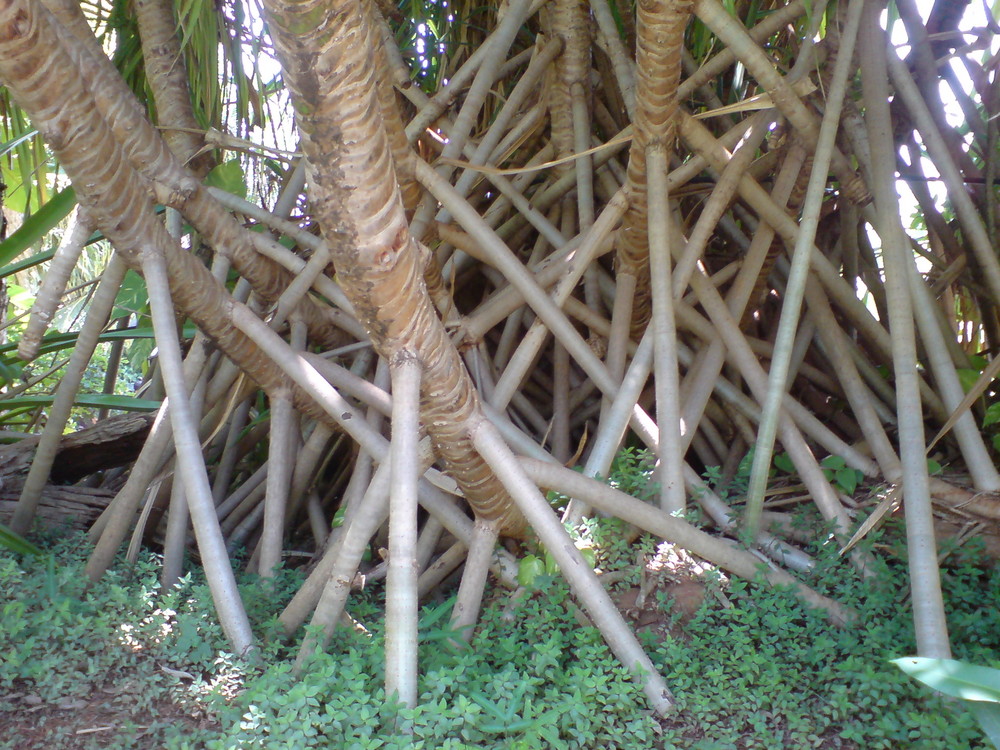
{"points": [[401, 609], [177, 515], [795, 288], [113, 525], [614, 422], [284, 425], [58, 414], [667, 378], [441, 568], [49, 295], [925, 583], [429, 537], [367, 517], [465, 614], [677, 531], [215, 559], [577, 572]]}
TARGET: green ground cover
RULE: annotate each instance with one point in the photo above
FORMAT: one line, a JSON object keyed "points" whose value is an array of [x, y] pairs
{"points": [[123, 664]]}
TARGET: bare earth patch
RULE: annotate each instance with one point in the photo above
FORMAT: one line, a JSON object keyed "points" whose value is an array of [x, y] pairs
{"points": [[107, 718]]}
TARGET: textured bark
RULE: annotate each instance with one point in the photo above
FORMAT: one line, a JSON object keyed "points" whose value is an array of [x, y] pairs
{"points": [[167, 76], [115, 441], [48, 85], [403, 156], [569, 20], [326, 50], [161, 170], [60, 508], [661, 25]]}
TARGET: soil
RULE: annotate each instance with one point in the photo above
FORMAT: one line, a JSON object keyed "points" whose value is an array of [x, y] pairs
{"points": [[108, 718]]}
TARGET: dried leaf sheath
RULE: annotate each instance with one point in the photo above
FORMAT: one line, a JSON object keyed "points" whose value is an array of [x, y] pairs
{"points": [[356, 200]]}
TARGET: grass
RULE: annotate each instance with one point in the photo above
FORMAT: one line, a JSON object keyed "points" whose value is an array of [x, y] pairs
{"points": [[125, 665]]}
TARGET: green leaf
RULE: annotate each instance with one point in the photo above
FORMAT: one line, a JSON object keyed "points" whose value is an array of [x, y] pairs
{"points": [[847, 479], [955, 678], [55, 342], [132, 296], [9, 372], [551, 566], [988, 716], [833, 462], [933, 467], [16, 542], [528, 570], [138, 353], [992, 414], [978, 361], [92, 400], [32, 260], [36, 226], [967, 378], [20, 297], [228, 176], [783, 462]]}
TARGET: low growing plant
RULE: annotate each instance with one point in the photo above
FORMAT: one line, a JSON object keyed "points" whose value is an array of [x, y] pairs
{"points": [[754, 668]]}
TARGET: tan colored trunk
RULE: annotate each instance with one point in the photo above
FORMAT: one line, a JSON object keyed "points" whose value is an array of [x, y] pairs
{"points": [[661, 25], [159, 169], [46, 83], [327, 54], [167, 76]]}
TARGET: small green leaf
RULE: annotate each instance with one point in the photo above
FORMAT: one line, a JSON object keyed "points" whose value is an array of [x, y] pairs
{"points": [[967, 378], [847, 479], [138, 354], [228, 176], [9, 372], [132, 296], [955, 678], [338, 518], [783, 462], [978, 361], [20, 297], [992, 414], [551, 566], [933, 467], [528, 570], [833, 462]]}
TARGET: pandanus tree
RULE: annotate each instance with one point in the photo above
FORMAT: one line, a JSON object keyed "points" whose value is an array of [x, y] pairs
{"points": [[568, 225]]}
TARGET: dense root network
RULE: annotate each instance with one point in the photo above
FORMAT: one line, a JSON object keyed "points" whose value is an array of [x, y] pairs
{"points": [[583, 227]]}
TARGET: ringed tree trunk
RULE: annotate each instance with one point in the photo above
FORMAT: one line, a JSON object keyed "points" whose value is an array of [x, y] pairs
{"points": [[326, 51], [327, 55]]}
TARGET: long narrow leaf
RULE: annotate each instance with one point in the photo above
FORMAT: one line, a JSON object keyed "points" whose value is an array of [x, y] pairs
{"points": [[16, 542], [93, 400], [955, 678], [33, 260], [57, 341], [977, 390], [988, 716], [37, 225]]}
